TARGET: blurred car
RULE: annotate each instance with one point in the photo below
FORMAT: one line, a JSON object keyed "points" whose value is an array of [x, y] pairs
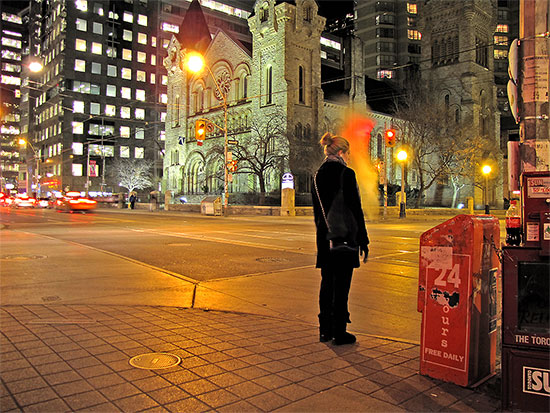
{"points": [[24, 201], [74, 201], [43, 202], [6, 200]]}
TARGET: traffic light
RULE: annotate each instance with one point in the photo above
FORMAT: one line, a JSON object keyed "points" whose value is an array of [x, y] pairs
{"points": [[389, 135], [200, 131]]}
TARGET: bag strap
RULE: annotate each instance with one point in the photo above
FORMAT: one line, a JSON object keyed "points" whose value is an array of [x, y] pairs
{"points": [[319, 197]]}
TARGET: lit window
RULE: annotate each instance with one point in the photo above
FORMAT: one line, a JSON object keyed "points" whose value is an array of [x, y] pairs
{"points": [[96, 68], [414, 34], [97, 28], [140, 133], [111, 90], [125, 112], [110, 51], [98, 9], [142, 57], [78, 106], [164, 79], [140, 114], [384, 74], [502, 28], [162, 135], [124, 131], [81, 5], [77, 169], [163, 116], [80, 45], [411, 8], [163, 98], [142, 38], [165, 43], [110, 110], [79, 65], [128, 17], [10, 80], [154, 41], [153, 60], [97, 48], [142, 20], [81, 25], [126, 73], [78, 128], [111, 70], [127, 35], [10, 55], [167, 27], [501, 40], [12, 18], [140, 94], [126, 54], [126, 92], [138, 152], [78, 148], [153, 78], [141, 76], [500, 54], [95, 108], [124, 151]]}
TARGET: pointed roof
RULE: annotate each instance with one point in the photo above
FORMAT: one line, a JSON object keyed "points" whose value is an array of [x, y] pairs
{"points": [[194, 33]]}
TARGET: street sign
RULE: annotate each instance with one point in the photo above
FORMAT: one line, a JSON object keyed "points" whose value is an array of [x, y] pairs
{"points": [[232, 142], [181, 140]]}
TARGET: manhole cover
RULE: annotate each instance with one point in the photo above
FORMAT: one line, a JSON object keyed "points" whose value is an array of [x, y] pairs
{"points": [[271, 259], [21, 257], [153, 361]]}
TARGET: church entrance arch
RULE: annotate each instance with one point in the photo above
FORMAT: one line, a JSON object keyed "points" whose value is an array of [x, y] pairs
{"points": [[195, 175]]}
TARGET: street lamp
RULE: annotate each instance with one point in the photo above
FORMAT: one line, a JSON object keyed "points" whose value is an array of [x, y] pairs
{"points": [[486, 169], [402, 157], [24, 143], [195, 63]]}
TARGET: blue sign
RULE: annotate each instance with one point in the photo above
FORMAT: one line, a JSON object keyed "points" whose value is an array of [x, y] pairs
{"points": [[181, 140]]}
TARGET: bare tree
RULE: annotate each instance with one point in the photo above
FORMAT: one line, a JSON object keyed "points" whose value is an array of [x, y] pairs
{"points": [[431, 133], [133, 174], [263, 150]]}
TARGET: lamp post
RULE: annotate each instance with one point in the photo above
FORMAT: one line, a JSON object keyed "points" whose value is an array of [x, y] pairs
{"points": [[37, 158], [486, 169], [195, 63], [402, 157]]}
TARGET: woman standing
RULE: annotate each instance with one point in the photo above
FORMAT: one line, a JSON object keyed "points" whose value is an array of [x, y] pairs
{"points": [[336, 272]]}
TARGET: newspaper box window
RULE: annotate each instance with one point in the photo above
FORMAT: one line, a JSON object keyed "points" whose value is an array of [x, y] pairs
{"points": [[211, 205]]}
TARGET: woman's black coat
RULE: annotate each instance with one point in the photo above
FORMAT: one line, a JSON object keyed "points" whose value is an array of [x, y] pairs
{"points": [[328, 183]]}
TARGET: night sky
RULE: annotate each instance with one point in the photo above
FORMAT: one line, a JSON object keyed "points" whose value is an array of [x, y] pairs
{"points": [[327, 8]]}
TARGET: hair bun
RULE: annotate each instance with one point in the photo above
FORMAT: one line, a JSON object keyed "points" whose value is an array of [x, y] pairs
{"points": [[327, 139]]}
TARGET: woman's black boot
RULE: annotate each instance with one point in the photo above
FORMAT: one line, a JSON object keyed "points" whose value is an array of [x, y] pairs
{"points": [[341, 336], [325, 329]]}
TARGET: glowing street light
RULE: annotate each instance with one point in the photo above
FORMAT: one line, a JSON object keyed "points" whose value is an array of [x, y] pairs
{"points": [[486, 170], [402, 157], [195, 62], [35, 67]]}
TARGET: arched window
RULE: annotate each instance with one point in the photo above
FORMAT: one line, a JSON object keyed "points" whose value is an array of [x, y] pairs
{"points": [[298, 131], [307, 14], [301, 85], [457, 115], [244, 90], [307, 131], [264, 13], [269, 85], [447, 102], [176, 112]]}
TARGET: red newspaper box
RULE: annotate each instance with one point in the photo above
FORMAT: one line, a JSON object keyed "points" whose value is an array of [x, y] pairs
{"points": [[457, 295]]}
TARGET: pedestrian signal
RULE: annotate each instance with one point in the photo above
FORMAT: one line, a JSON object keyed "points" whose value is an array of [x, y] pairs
{"points": [[389, 135], [200, 131]]}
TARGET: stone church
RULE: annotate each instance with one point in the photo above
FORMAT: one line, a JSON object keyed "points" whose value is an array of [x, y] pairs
{"points": [[271, 100], [272, 93]]}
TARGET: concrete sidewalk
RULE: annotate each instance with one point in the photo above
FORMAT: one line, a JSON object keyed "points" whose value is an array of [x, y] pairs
{"points": [[57, 358]]}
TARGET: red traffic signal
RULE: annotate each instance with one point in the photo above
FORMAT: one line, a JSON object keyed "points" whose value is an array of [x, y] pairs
{"points": [[389, 135]]}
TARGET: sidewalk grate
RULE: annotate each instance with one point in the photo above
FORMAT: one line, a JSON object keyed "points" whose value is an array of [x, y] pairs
{"points": [[153, 361]]}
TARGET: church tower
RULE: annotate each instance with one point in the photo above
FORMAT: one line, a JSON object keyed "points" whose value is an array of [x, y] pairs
{"points": [[286, 69], [463, 75]]}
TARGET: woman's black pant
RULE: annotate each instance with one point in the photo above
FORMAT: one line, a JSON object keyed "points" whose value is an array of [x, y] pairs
{"points": [[333, 298]]}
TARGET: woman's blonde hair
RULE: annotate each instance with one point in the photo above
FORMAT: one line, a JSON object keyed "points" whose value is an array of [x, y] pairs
{"points": [[332, 144]]}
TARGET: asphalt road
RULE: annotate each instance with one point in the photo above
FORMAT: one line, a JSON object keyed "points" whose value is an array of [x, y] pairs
{"points": [[262, 265]]}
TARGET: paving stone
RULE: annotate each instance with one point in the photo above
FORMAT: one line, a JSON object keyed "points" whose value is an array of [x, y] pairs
{"points": [[34, 396], [240, 406], [151, 383], [106, 380], [246, 389], [135, 403], [119, 391], [74, 387], [197, 387], [294, 392], [218, 398], [168, 395], [24, 385], [50, 406], [268, 401], [363, 385], [8, 403], [15, 375], [187, 405]]}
